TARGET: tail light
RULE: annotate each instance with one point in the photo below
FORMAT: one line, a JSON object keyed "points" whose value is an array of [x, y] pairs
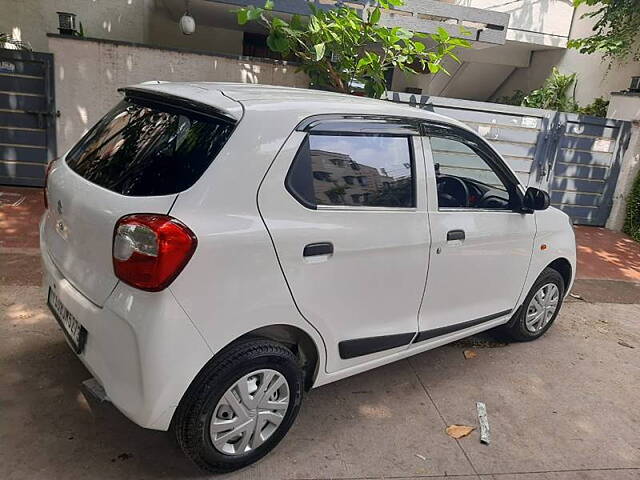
{"points": [[150, 251], [46, 181]]}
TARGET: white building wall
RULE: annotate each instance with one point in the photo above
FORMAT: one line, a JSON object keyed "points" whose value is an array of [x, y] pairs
{"points": [[88, 74], [594, 77], [542, 22], [625, 107], [138, 21], [111, 19], [163, 31]]}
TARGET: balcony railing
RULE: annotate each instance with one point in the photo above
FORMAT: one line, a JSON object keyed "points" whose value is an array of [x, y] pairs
{"points": [[424, 16]]}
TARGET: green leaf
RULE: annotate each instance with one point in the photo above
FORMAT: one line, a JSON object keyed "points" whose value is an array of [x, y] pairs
{"points": [[296, 22], [374, 16], [374, 58], [433, 67], [269, 4], [363, 62], [464, 31], [277, 43], [319, 48], [458, 42], [242, 16], [277, 22], [254, 13], [403, 33], [443, 35], [314, 24]]}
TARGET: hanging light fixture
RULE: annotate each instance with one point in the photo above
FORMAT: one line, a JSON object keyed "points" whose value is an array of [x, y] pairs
{"points": [[187, 22]]}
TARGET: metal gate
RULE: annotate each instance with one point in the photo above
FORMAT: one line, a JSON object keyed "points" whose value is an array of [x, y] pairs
{"points": [[27, 120], [583, 165], [575, 158]]}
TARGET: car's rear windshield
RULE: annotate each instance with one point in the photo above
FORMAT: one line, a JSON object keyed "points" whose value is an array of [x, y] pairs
{"points": [[142, 149]]}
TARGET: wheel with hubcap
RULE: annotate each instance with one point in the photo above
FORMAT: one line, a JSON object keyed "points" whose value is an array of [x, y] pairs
{"points": [[249, 412], [539, 309], [240, 406]]}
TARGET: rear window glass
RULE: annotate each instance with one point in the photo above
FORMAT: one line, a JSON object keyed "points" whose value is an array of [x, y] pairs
{"points": [[143, 150]]}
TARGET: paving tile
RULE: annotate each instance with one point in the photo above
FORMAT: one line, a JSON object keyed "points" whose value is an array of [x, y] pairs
{"points": [[19, 217], [605, 254]]}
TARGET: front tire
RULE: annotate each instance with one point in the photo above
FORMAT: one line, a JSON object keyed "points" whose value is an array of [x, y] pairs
{"points": [[241, 406], [539, 309]]}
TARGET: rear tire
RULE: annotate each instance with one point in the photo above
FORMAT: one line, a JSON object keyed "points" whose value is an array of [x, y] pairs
{"points": [[539, 309], [240, 406]]}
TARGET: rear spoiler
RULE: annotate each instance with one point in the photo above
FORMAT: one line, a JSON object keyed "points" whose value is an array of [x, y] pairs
{"points": [[175, 102]]}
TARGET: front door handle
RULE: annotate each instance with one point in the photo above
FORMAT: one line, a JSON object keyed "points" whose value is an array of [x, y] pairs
{"points": [[315, 249], [455, 235]]}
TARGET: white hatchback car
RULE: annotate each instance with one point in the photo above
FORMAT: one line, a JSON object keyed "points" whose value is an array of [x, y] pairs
{"points": [[212, 251]]}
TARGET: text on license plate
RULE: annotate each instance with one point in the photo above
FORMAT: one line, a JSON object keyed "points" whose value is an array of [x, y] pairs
{"points": [[73, 330]]}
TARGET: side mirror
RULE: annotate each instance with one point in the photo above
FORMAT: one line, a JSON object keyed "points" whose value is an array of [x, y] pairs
{"points": [[535, 199]]}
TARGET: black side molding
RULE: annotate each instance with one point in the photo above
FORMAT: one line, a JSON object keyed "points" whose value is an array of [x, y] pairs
{"points": [[365, 346], [437, 332]]}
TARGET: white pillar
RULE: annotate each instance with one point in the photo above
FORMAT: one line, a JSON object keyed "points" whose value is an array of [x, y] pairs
{"points": [[625, 106]]}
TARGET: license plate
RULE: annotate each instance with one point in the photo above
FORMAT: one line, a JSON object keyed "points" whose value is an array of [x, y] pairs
{"points": [[73, 330]]}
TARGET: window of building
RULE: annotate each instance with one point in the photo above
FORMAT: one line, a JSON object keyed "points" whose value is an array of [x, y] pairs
{"points": [[322, 176], [464, 178], [384, 165], [255, 45]]}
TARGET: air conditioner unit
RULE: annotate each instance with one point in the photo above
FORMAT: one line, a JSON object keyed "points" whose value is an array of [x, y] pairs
{"points": [[67, 23]]}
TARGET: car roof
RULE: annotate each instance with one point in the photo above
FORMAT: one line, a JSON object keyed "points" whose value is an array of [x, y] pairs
{"points": [[304, 102]]}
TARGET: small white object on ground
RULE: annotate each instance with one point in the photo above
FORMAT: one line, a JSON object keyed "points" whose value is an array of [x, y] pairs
{"points": [[485, 436]]}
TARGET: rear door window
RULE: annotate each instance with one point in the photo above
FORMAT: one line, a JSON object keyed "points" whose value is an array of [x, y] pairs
{"points": [[355, 170], [142, 149]]}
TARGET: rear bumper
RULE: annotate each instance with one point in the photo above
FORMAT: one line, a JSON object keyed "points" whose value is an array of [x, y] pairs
{"points": [[141, 347]]}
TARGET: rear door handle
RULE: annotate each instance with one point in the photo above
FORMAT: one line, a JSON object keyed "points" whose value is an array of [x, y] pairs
{"points": [[455, 235], [315, 249]]}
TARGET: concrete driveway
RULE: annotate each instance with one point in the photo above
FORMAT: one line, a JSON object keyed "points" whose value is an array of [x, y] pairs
{"points": [[564, 407]]}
